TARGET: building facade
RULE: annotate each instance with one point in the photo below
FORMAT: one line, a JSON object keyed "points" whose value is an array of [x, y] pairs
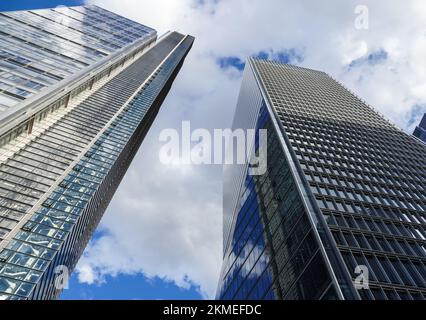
{"points": [[420, 131], [340, 212], [79, 89]]}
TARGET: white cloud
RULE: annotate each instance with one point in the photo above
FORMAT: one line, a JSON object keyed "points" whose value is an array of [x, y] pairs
{"points": [[87, 274], [166, 221]]}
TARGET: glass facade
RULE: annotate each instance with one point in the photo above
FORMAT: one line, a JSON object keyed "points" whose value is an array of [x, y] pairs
{"points": [[420, 131], [42, 47], [344, 188], [57, 179]]}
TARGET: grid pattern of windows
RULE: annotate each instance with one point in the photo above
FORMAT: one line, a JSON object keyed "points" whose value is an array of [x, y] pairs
{"points": [[248, 107], [366, 177], [64, 99], [57, 233], [274, 254], [246, 270], [42, 47], [272, 251]]}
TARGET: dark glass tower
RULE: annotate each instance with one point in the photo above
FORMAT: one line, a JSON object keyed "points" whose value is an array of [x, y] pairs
{"points": [[340, 212], [420, 131], [79, 89]]}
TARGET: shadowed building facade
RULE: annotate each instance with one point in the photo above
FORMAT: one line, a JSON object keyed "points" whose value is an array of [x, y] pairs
{"points": [[420, 131], [340, 212], [79, 89]]}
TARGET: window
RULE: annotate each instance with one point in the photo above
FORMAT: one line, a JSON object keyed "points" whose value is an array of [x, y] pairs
{"points": [[7, 101]]}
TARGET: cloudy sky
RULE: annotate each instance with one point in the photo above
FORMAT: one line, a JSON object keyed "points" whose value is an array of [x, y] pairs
{"points": [[161, 236]]}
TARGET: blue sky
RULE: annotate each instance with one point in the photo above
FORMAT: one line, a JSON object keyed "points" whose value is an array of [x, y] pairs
{"points": [[128, 287], [292, 56], [149, 247], [39, 4], [370, 58]]}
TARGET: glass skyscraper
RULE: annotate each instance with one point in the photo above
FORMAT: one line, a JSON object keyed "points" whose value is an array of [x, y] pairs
{"points": [[79, 89], [420, 131], [340, 212]]}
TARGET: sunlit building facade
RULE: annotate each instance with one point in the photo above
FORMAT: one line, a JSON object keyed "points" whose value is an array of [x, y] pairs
{"points": [[79, 89], [340, 212]]}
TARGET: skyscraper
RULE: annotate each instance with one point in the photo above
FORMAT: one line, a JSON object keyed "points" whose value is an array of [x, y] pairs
{"points": [[79, 89], [340, 212], [420, 131]]}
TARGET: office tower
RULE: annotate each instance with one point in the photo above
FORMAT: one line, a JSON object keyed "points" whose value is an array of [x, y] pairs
{"points": [[80, 87], [342, 201], [420, 131]]}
